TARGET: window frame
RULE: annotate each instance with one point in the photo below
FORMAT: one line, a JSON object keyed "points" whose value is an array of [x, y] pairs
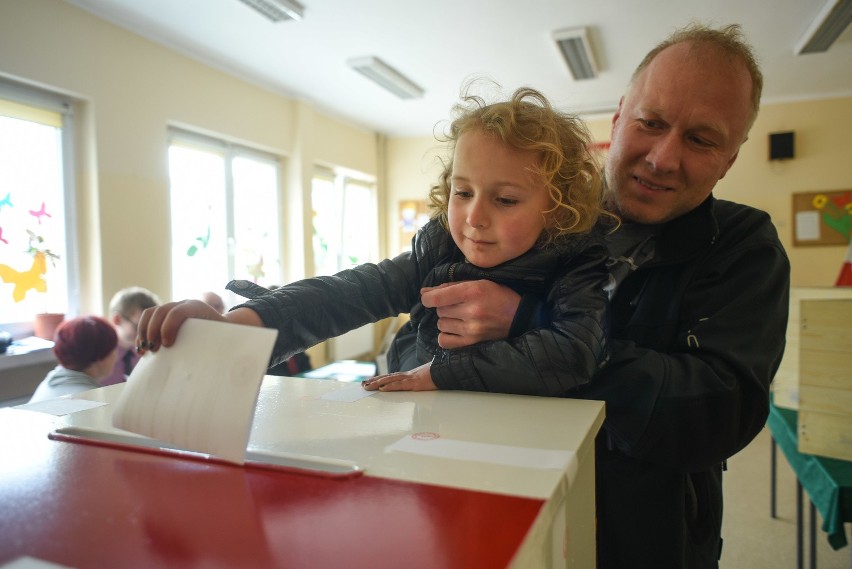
{"points": [[342, 178], [230, 151]]}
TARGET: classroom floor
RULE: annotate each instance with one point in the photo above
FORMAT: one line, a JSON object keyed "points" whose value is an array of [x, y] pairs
{"points": [[752, 539]]}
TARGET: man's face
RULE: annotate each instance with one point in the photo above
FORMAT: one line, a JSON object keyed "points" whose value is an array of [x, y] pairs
{"points": [[676, 133], [125, 327]]}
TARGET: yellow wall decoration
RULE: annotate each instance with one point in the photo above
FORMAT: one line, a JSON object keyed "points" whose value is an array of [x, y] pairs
{"points": [[32, 279]]}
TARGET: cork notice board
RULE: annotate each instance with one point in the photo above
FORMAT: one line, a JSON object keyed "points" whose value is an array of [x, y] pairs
{"points": [[413, 214], [822, 218]]}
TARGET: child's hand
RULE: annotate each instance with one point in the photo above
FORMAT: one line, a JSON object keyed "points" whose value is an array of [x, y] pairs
{"points": [[418, 379], [159, 325]]}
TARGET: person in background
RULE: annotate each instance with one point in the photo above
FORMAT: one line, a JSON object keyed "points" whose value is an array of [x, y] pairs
{"points": [[125, 310], [699, 309], [86, 349], [213, 300], [518, 202]]}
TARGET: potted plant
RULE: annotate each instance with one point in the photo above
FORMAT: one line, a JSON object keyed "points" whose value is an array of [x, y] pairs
{"points": [[46, 322]]}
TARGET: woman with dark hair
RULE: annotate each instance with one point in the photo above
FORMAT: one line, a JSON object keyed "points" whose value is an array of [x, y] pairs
{"points": [[85, 348]]}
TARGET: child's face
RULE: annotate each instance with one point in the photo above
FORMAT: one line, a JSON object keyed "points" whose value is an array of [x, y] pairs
{"points": [[496, 200]]}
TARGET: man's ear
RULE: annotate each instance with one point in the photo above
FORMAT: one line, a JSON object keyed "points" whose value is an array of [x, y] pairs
{"points": [[730, 163], [116, 318]]}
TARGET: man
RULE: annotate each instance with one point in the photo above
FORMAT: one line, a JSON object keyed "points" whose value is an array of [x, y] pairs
{"points": [[699, 305], [125, 310]]}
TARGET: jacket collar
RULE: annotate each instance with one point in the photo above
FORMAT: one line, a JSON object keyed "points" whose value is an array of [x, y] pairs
{"points": [[686, 236]]}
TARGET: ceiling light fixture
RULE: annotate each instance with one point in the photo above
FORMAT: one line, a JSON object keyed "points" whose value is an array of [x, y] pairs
{"points": [[834, 17], [277, 10], [386, 76], [575, 48]]}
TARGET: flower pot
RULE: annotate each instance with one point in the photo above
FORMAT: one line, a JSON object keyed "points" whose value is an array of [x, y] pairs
{"points": [[46, 324]]}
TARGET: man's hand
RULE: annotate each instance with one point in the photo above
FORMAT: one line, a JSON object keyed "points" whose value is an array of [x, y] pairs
{"points": [[418, 379], [470, 312]]}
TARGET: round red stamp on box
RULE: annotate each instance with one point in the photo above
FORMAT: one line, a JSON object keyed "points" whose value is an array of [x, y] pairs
{"points": [[425, 436]]}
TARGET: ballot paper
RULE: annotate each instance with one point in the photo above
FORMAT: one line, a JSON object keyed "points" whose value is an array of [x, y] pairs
{"points": [[200, 393], [64, 405], [432, 444]]}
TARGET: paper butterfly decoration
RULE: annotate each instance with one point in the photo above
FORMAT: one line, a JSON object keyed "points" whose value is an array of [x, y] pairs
{"points": [[26, 280], [38, 214], [193, 249]]}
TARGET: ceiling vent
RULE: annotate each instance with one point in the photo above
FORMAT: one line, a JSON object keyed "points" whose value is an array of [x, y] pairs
{"points": [[575, 49], [834, 17], [277, 10], [386, 76]]}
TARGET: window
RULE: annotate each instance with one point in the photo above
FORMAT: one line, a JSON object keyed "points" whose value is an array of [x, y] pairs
{"points": [[345, 230], [38, 270], [224, 215], [345, 234]]}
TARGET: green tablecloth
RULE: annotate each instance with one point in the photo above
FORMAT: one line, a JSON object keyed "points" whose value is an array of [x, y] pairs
{"points": [[827, 481]]}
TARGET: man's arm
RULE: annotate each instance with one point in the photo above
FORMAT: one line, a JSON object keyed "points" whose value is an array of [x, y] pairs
{"points": [[470, 312], [563, 351]]}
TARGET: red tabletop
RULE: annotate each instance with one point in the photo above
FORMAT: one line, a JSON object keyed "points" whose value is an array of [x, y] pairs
{"points": [[87, 506]]}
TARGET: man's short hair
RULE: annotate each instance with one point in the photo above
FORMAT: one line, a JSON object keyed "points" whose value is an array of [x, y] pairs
{"points": [[129, 300], [729, 40]]}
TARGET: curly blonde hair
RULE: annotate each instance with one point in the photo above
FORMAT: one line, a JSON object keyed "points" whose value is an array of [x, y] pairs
{"points": [[567, 165]]}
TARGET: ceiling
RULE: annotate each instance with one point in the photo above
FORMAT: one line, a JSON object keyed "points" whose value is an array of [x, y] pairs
{"points": [[439, 44]]}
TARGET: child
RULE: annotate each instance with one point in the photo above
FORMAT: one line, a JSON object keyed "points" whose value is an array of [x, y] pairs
{"points": [[517, 203], [85, 348]]}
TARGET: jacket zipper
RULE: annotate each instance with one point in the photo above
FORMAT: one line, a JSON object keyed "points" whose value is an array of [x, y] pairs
{"points": [[451, 272]]}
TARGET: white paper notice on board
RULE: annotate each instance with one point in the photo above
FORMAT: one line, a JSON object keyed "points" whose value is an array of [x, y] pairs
{"points": [[807, 226], [200, 393]]}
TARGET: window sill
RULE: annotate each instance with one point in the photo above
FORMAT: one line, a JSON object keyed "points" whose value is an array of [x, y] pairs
{"points": [[25, 352]]}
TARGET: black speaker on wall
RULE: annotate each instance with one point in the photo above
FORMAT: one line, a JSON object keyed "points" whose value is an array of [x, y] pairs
{"points": [[781, 145]]}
